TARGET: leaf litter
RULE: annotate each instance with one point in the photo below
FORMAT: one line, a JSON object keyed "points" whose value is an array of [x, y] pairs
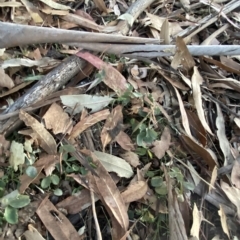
{"points": [[119, 120]]}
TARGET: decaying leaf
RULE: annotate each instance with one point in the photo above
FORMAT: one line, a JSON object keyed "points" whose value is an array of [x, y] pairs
{"points": [[203, 152], [111, 77], [135, 191], [223, 221], [57, 120], [115, 164], [109, 193], [47, 141], [160, 147], [56, 222], [88, 122], [224, 143], [112, 126], [165, 35], [76, 103], [197, 219], [17, 156], [213, 178], [182, 57], [124, 141], [131, 157], [197, 81]]}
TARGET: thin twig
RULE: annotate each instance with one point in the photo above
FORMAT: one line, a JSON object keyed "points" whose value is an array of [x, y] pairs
{"points": [[99, 235]]}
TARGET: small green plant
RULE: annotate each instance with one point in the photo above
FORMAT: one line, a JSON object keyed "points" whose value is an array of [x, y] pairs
{"points": [[11, 203]]}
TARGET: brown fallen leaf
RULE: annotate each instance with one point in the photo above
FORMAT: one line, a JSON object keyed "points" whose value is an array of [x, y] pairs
{"points": [[197, 81], [112, 126], [100, 4], [56, 222], [111, 77], [57, 120], [197, 129], [201, 151], [88, 122], [76, 203], [124, 141], [47, 141], [185, 121], [223, 141], [134, 191], [182, 56], [131, 157], [109, 193], [160, 147]]}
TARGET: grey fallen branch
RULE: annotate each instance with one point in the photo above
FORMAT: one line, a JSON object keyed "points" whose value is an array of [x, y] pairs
{"points": [[153, 51], [208, 20], [12, 35]]}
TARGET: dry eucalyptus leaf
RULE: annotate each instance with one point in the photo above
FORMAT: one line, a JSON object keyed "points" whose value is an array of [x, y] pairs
{"points": [[88, 121], [235, 175], [135, 191], [76, 103], [197, 81], [112, 126], [197, 219], [182, 57], [233, 194], [47, 141], [160, 147], [165, 35], [124, 141], [131, 157], [223, 217], [115, 164], [223, 141]]}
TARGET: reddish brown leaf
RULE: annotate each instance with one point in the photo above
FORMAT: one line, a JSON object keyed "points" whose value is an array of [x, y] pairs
{"points": [[111, 77]]}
